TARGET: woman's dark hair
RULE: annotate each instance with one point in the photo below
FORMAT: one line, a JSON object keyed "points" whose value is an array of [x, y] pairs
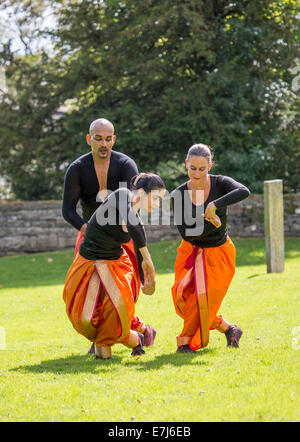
{"points": [[147, 181], [201, 150]]}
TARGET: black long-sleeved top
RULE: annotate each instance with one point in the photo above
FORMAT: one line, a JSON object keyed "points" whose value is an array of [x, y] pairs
{"points": [[104, 235], [224, 191], [81, 183]]}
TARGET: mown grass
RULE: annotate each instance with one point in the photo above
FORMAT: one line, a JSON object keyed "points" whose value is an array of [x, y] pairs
{"points": [[47, 375]]}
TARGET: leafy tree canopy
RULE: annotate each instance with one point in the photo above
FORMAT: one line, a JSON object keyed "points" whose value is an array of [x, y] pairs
{"points": [[167, 73]]}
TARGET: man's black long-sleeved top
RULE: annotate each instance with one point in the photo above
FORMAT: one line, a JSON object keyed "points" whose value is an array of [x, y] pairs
{"points": [[81, 183]]}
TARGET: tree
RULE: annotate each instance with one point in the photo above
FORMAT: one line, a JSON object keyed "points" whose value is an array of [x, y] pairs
{"points": [[168, 74]]}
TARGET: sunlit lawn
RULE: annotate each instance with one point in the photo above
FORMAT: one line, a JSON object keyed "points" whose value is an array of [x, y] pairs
{"points": [[47, 375]]}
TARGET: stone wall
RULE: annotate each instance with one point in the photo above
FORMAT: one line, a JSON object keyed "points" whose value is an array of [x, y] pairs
{"points": [[38, 226]]}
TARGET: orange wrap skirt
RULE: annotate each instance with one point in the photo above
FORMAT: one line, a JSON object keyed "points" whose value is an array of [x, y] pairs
{"points": [[100, 298], [129, 249], [202, 278], [137, 324]]}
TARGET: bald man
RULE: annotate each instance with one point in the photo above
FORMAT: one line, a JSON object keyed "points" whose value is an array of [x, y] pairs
{"points": [[89, 178]]}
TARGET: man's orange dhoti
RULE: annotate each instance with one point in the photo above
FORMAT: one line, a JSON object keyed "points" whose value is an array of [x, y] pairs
{"points": [[202, 278], [100, 298]]}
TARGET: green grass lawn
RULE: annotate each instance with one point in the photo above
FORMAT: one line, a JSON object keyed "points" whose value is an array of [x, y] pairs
{"points": [[47, 375]]}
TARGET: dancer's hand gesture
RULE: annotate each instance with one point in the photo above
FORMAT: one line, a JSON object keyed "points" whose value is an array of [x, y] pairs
{"points": [[210, 215]]}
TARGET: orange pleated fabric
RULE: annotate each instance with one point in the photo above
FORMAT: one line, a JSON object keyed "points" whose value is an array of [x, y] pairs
{"points": [[129, 249], [99, 298], [136, 281], [202, 278]]}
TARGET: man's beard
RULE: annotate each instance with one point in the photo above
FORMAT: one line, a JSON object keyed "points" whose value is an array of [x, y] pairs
{"points": [[102, 152]]}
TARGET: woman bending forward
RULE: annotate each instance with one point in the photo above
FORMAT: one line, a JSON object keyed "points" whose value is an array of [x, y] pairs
{"points": [[101, 288]]}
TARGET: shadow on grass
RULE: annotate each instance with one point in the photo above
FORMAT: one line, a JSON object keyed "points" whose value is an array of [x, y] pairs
{"points": [[76, 364], [72, 364], [174, 359]]}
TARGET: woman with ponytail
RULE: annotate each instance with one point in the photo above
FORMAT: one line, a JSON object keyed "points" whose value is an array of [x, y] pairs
{"points": [[205, 262], [101, 289]]}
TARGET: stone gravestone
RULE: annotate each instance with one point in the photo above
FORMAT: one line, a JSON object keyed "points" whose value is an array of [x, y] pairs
{"points": [[274, 225]]}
